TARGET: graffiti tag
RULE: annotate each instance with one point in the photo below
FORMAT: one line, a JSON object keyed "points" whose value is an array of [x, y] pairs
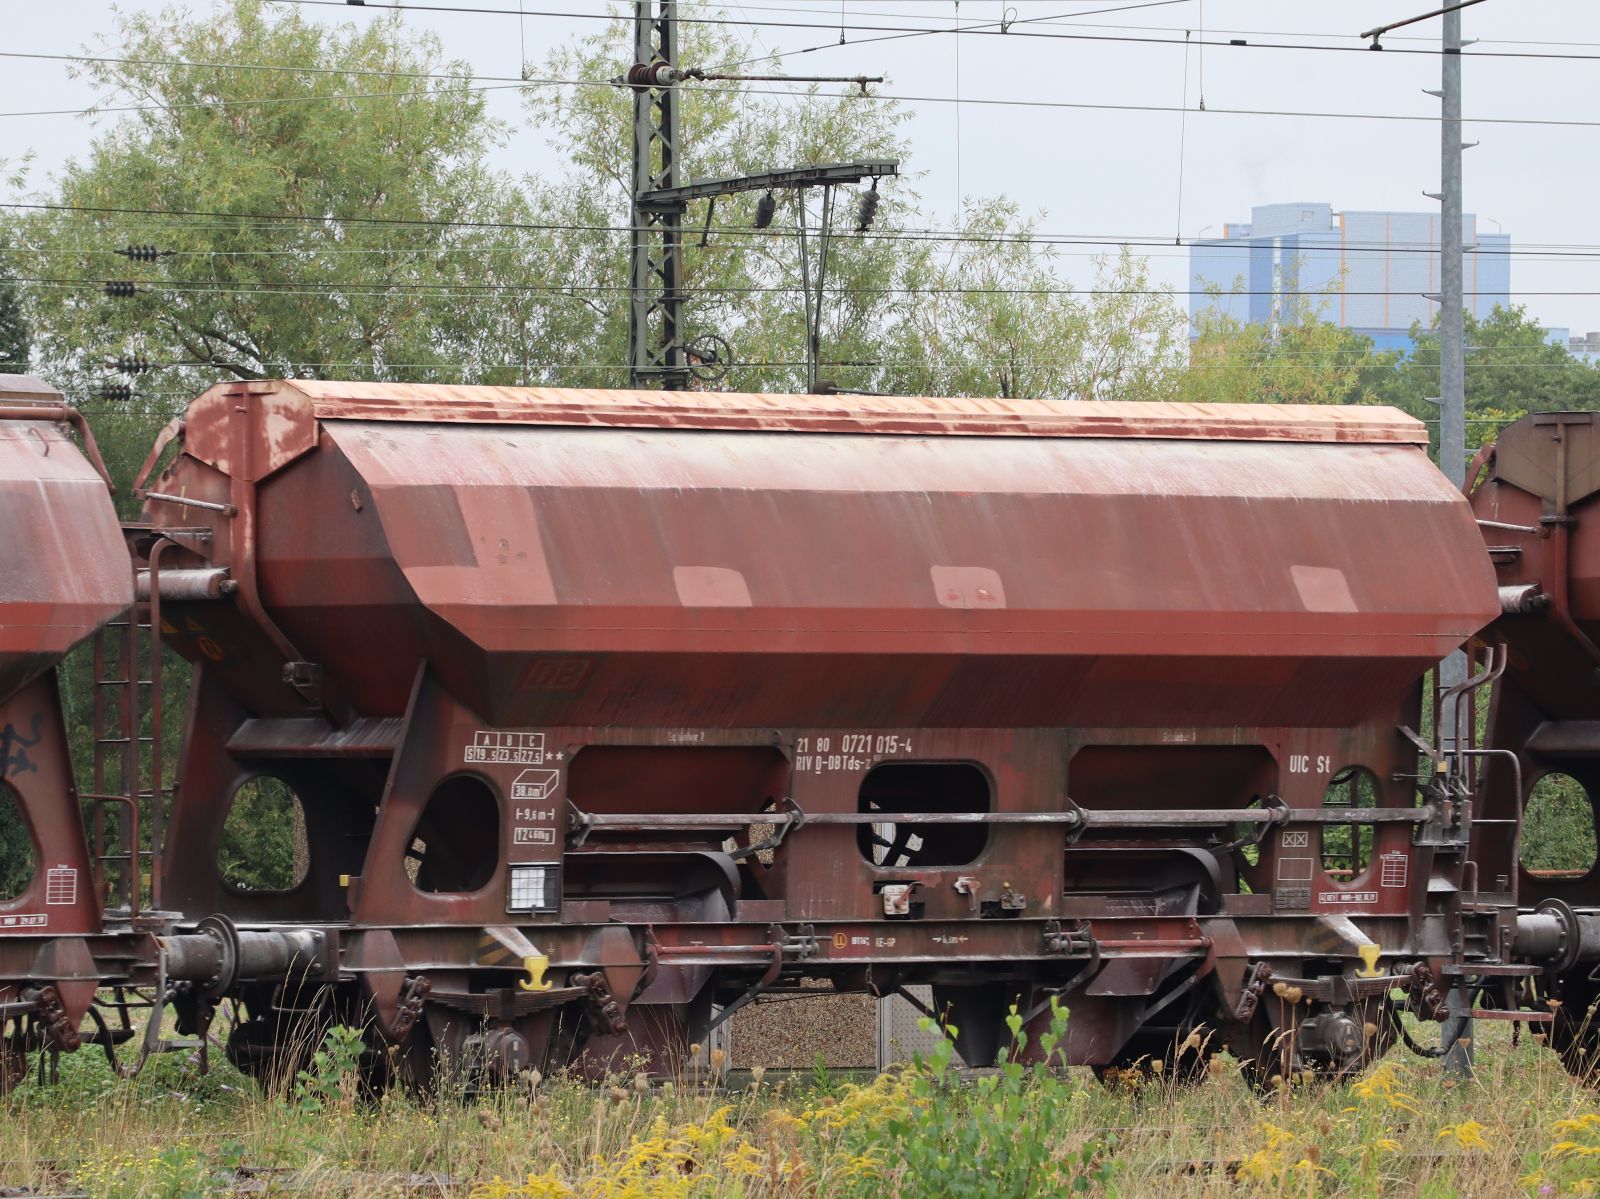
{"points": [[14, 748]]}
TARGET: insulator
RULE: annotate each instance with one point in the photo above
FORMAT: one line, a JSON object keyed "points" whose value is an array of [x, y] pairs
{"points": [[140, 253], [766, 209], [118, 392], [867, 210], [130, 366], [120, 289]]}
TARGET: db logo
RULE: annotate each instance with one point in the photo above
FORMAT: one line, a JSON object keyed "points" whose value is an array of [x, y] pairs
{"points": [[840, 941]]}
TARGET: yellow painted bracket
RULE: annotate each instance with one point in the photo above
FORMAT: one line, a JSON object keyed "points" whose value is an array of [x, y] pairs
{"points": [[1369, 960], [537, 965]]}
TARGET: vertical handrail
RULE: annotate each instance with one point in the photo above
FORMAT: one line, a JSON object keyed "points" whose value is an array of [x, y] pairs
{"points": [[98, 822], [157, 763], [128, 880], [128, 710]]}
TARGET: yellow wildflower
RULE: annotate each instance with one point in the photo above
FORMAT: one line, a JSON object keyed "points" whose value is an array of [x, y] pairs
{"points": [[1382, 1085], [1468, 1134]]}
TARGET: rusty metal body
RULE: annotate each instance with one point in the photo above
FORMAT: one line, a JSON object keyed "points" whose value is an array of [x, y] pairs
{"points": [[1538, 508], [603, 708], [63, 575]]}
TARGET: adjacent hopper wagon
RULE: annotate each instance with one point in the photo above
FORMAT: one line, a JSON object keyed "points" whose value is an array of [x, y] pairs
{"points": [[63, 575], [1534, 832]]}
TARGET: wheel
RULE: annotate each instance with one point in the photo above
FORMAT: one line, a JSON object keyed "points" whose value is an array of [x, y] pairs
{"points": [[1575, 1032], [1185, 1057], [280, 1036], [660, 1040], [1288, 1038]]}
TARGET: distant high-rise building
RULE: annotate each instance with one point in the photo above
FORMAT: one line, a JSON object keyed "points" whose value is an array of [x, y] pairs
{"points": [[1372, 272], [1584, 347]]}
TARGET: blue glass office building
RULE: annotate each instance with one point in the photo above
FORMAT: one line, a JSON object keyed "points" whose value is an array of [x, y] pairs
{"points": [[1369, 271]]}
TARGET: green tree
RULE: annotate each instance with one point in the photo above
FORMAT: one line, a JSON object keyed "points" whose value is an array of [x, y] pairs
{"points": [[14, 337], [1300, 359], [1511, 369], [263, 837], [743, 284], [996, 320], [16, 847], [1558, 829], [359, 230], [363, 233], [984, 314]]}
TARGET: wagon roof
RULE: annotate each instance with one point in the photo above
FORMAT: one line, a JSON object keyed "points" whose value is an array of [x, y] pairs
{"points": [[869, 414]]}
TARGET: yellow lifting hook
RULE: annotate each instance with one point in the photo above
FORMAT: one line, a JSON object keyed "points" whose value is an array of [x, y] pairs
{"points": [[1369, 960], [537, 965]]}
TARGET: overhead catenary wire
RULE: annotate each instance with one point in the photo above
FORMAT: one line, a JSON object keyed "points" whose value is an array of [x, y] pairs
{"points": [[989, 29], [477, 82], [957, 237], [477, 249], [1074, 20], [1574, 250], [382, 287], [900, 97]]}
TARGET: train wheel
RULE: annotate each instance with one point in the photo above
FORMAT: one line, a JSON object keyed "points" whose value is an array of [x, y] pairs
{"points": [[459, 1053], [1575, 1031], [1184, 1058], [660, 1040], [1261, 1050], [1291, 1040], [280, 1036]]}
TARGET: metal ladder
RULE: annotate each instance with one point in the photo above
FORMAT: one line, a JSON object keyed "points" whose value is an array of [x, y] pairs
{"points": [[128, 766]]}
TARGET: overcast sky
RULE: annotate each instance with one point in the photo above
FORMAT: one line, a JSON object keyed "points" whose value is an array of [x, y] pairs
{"points": [[1097, 170]]}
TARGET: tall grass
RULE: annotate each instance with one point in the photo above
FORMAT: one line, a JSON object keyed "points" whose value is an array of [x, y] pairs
{"points": [[1520, 1126]]}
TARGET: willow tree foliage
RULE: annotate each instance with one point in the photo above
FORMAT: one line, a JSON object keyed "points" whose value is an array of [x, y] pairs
{"points": [[14, 337], [321, 197], [908, 307]]}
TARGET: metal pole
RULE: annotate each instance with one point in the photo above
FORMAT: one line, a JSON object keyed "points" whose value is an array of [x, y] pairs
{"points": [[639, 237], [1452, 406], [1452, 371], [676, 375], [805, 288], [814, 334], [656, 240]]}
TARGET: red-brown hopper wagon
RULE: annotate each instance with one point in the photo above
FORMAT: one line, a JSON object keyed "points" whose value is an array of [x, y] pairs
{"points": [[603, 711]]}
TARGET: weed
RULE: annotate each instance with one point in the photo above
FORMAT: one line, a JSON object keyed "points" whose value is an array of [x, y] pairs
{"points": [[333, 1077]]}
